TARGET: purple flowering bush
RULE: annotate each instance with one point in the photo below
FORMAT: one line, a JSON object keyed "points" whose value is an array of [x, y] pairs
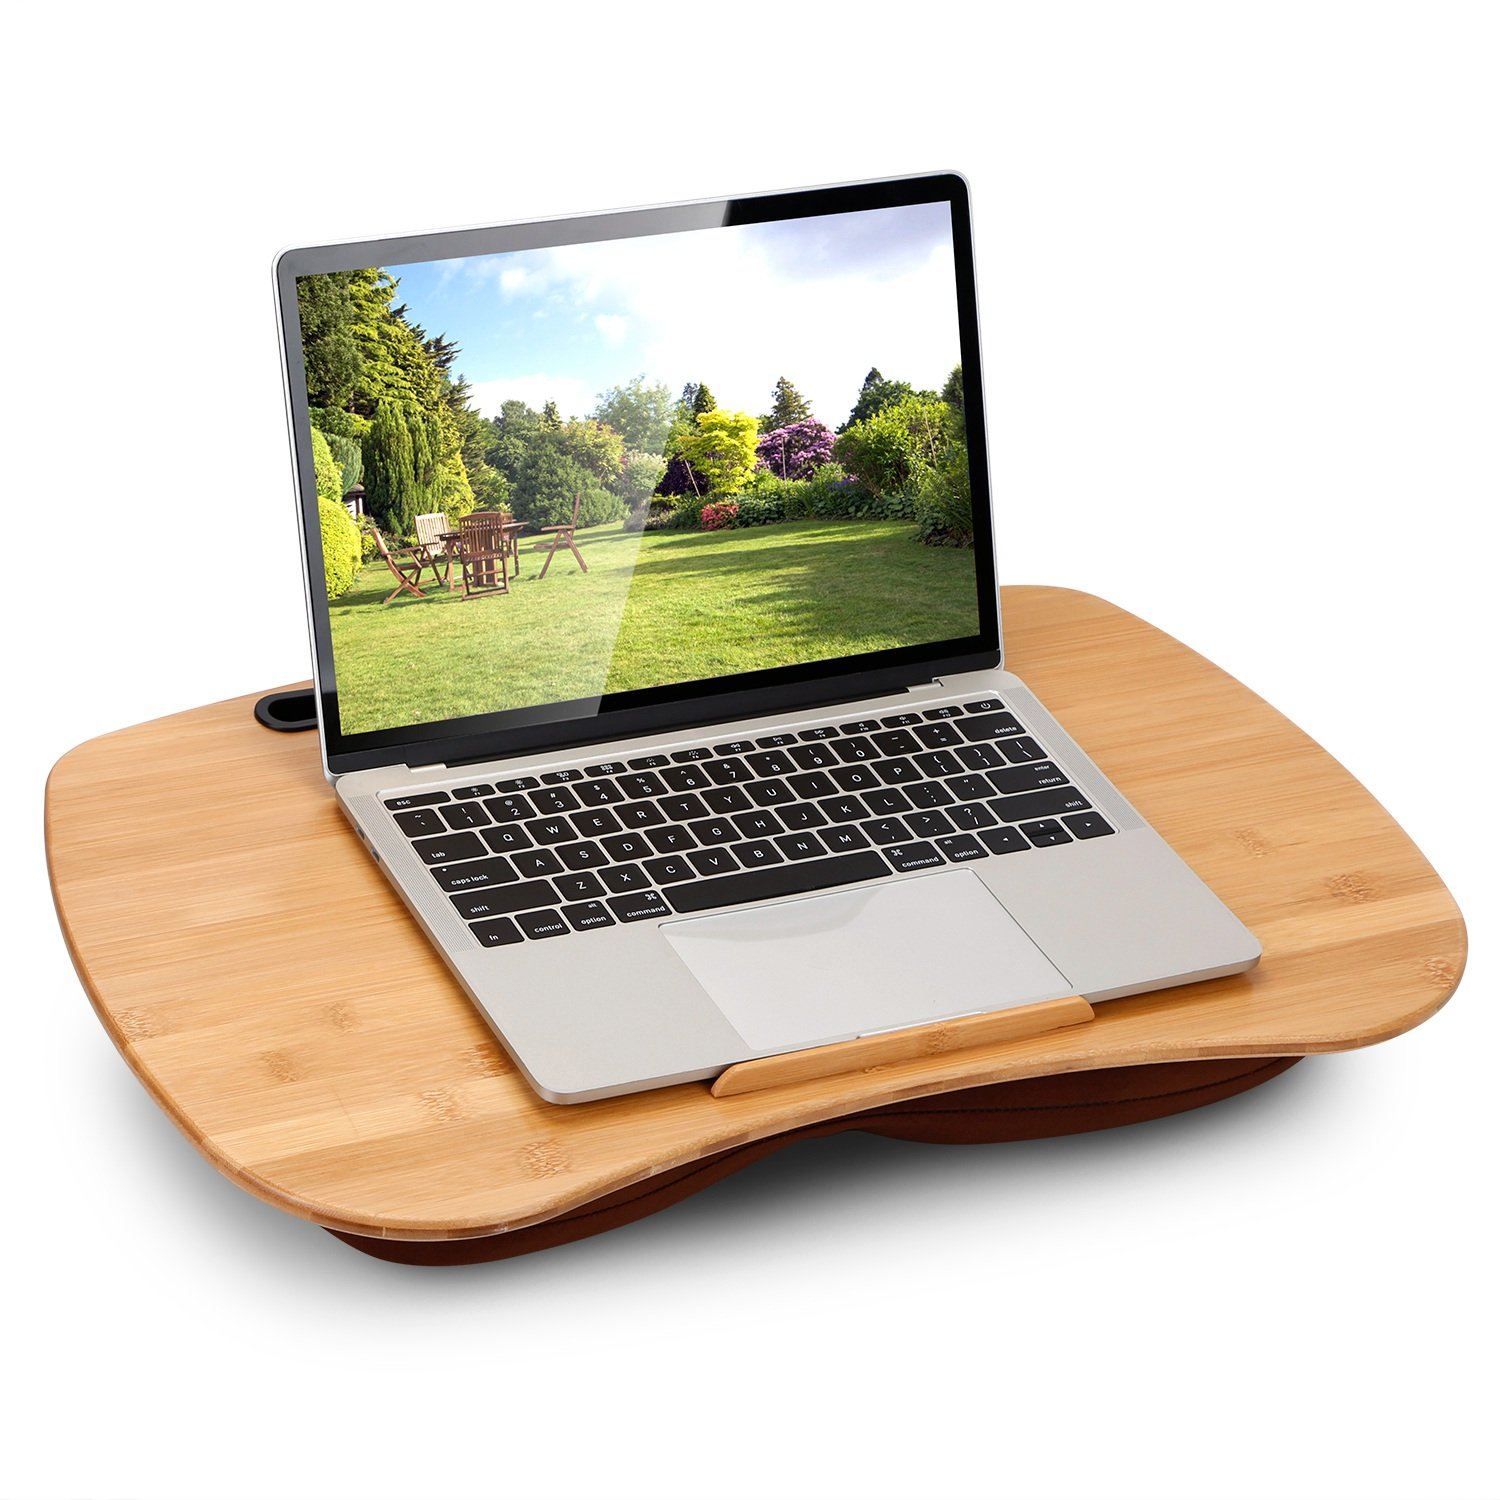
{"points": [[794, 452]]}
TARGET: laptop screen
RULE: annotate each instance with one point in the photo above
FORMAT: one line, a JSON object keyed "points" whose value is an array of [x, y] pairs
{"points": [[561, 479]]}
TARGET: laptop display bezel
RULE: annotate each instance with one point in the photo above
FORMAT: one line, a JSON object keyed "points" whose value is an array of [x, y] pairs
{"points": [[674, 706]]}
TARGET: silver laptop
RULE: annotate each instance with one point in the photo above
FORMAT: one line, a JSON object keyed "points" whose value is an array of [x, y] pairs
{"points": [[651, 575]]}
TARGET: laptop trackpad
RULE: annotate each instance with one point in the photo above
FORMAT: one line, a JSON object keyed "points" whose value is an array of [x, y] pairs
{"points": [[828, 967]]}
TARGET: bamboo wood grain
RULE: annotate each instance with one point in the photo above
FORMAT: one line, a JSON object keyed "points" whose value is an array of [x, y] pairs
{"points": [[864, 1054], [270, 991]]}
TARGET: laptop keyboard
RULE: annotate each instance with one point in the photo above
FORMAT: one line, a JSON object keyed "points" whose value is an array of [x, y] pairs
{"points": [[576, 850]]}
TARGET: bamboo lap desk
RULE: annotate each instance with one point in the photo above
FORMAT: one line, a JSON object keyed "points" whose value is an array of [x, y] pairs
{"points": [[270, 990]]}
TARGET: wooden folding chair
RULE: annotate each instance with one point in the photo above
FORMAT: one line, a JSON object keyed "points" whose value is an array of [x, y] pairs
{"points": [[481, 545], [406, 563], [562, 536], [430, 530]]}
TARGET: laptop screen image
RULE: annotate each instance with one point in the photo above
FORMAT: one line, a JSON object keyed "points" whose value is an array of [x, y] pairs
{"points": [[714, 456]]}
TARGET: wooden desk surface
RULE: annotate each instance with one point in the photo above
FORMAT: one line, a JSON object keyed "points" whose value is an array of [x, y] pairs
{"points": [[270, 990]]}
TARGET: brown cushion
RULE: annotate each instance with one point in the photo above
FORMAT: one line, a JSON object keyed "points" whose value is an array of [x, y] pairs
{"points": [[1028, 1110]]}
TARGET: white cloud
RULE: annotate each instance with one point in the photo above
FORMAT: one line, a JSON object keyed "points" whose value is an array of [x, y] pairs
{"points": [[574, 397], [612, 327]]}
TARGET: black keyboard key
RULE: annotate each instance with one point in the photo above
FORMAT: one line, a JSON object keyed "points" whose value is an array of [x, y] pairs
{"points": [[887, 801], [971, 815], [683, 807], [757, 853], [794, 879], [1087, 825], [822, 732], [509, 809], [504, 900], [584, 916], [1003, 840], [423, 821], [585, 856], [899, 721], [447, 847], [898, 772], [516, 784], [930, 794], [905, 857], [561, 778], [580, 887], [593, 825], [551, 831], [959, 847], [770, 763], [1032, 778], [811, 784], [928, 825], [625, 847], [770, 793], [497, 932], [506, 838], [638, 906], [843, 809], [1023, 749], [669, 869], [801, 815], [814, 757], [553, 799], [641, 815], [969, 788], [938, 763], [981, 757], [715, 831], [542, 924], [464, 815], [886, 831], [599, 793], [990, 727], [896, 742], [776, 741], [983, 706], [1046, 833], [735, 747], [671, 839], [857, 749], [726, 799], [605, 768], [623, 878], [728, 772], [415, 799], [758, 825], [948, 711], [476, 875], [856, 778], [938, 736], [685, 778], [844, 838], [713, 861], [643, 784], [799, 846], [479, 789], [698, 752], [1048, 804], [860, 726], [535, 863], [648, 762]]}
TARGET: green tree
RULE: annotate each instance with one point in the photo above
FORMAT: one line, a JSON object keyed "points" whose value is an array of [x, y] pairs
{"points": [[721, 447], [890, 451], [346, 455], [326, 473], [640, 413], [953, 392], [874, 396], [390, 483], [546, 482], [788, 406], [639, 476], [330, 352]]}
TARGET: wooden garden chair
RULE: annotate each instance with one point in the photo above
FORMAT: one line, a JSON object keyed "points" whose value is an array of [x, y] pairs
{"points": [[562, 536], [406, 563], [431, 529], [482, 545]]}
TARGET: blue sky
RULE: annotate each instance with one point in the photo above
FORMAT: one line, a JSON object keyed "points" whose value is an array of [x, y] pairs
{"points": [[819, 300]]}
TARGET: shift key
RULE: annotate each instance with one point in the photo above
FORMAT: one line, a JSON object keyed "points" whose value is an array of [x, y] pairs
{"points": [[505, 899]]}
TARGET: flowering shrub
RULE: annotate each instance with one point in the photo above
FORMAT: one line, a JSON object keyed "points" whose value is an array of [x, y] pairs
{"points": [[717, 517], [794, 452]]}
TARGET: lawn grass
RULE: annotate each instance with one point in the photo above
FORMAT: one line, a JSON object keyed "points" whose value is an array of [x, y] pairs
{"points": [[655, 607]]}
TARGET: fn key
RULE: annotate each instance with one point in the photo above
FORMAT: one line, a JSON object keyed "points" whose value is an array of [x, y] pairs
{"points": [[496, 933]]}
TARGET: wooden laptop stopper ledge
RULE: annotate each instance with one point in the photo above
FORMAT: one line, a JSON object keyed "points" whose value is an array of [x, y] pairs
{"points": [[866, 1053]]}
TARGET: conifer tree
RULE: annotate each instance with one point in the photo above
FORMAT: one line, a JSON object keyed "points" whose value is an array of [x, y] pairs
{"points": [[788, 407]]}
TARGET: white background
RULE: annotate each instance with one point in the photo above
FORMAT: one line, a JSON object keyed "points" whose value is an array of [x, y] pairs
{"points": [[1240, 286]]}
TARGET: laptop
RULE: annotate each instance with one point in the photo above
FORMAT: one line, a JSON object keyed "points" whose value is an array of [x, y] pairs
{"points": [[651, 576]]}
